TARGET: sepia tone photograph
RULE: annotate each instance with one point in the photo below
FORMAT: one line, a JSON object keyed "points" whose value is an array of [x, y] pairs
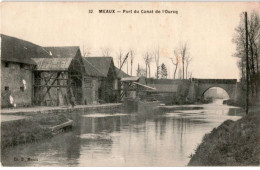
{"points": [[130, 84]]}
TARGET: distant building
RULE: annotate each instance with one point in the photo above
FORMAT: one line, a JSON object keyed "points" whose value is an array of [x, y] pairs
{"points": [[166, 90], [17, 71]]}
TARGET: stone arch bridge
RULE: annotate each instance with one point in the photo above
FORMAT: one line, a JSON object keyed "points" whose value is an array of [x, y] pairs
{"points": [[200, 86]]}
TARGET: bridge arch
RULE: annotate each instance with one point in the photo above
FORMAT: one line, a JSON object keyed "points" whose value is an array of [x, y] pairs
{"points": [[202, 85], [205, 91]]}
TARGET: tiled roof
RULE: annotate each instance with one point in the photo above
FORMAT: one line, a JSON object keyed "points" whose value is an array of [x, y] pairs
{"points": [[120, 73], [62, 52], [130, 79], [101, 63], [51, 64], [20, 51], [91, 70]]}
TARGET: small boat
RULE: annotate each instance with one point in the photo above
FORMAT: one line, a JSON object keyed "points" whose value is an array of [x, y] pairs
{"points": [[61, 127]]}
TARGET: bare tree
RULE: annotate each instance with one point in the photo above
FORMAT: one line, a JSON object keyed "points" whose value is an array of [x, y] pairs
{"points": [[253, 23], [175, 62], [187, 60], [106, 51], [148, 59], [140, 71], [184, 52], [180, 74], [86, 51], [120, 57], [132, 53], [157, 61]]}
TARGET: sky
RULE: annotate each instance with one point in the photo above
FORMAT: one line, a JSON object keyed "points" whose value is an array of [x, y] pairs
{"points": [[207, 27]]}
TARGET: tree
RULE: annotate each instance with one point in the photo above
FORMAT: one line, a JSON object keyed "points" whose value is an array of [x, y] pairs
{"points": [[253, 23], [106, 51], [86, 51], [163, 71], [184, 53], [158, 72], [187, 60], [120, 57], [157, 62], [132, 53], [140, 71], [180, 74], [148, 59], [175, 62]]}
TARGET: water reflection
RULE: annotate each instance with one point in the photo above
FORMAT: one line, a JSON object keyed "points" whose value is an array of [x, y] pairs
{"points": [[126, 140]]}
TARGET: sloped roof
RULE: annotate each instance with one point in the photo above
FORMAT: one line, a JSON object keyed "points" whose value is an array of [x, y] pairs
{"points": [[52, 64], [164, 87], [101, 63], [120, 73], [20, 51], [62, 52], [131, 79], [91, 70]]}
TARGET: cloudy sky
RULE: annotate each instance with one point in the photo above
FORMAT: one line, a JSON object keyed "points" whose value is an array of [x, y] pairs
{"points": [[208, 29]]}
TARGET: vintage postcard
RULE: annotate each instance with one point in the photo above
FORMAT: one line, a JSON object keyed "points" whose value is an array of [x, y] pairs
{"points": [[130, 84]]}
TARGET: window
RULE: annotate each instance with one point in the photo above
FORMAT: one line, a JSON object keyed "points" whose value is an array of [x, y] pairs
{"points": [[22, 89], [21, 66], [6, 64], [6, 88]]}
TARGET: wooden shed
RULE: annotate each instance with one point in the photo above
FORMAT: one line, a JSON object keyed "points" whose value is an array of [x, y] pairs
{"points": [[59, 78]]}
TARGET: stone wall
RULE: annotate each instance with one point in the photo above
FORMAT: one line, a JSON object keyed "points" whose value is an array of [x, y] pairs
{"points": [[18, 78]]}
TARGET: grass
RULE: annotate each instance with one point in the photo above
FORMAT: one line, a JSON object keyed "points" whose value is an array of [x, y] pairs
{"points": [[231, 144], [29, 130]]}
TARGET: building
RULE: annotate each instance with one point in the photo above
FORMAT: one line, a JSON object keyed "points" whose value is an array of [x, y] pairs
{"points": [[91, 83], [120, 74], [108, 85], [166, 91], [135, 87], [17, 71], [64, 76]]}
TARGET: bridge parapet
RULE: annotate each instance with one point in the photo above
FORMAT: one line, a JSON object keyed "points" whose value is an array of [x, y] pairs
{"points": [[215, 81]]}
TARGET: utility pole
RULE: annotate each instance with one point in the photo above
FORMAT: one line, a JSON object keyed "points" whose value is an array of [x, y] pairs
{"points": [[131, 52], [127, 66], [247, 66], [138, 71]]}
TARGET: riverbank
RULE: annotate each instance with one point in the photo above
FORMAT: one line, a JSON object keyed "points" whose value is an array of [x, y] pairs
{"points": [[34, 124], [57, 109], [31, 129], [231, 144]]}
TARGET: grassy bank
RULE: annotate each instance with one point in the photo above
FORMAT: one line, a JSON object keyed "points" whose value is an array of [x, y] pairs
{"points": [[29, 130], [231, 144]]}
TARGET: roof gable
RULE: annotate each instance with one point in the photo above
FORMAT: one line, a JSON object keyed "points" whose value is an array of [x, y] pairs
{"points": [[101, 63], [91, 70], [62, 52]]}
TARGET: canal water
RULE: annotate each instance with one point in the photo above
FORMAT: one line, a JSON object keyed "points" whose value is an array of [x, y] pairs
{"points": [[125, 139]]}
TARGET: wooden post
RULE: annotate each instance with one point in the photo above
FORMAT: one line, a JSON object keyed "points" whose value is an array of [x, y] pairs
{"points": [[83, 87]]}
